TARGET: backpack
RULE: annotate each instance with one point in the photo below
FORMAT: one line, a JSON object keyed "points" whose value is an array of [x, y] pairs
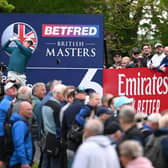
{"points": [[153, 151], [7, 139]]}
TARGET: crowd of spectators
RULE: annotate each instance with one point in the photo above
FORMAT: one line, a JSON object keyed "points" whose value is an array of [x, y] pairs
{"points": [[145, 57]]}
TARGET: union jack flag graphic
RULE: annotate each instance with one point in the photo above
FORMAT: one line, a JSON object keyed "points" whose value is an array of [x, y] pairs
{"points": [[23, 31]]}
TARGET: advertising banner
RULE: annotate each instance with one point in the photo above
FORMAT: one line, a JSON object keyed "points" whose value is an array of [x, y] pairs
{"points": [[65, 47], [148, 87]]}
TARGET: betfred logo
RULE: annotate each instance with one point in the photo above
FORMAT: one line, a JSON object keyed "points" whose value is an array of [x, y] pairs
{"points": [[49, 30]]}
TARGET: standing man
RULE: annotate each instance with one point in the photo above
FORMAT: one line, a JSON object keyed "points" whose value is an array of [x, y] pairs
{"points": [[96, 151], [19, 58], [21, 136], [164, 62], [10, 93]]}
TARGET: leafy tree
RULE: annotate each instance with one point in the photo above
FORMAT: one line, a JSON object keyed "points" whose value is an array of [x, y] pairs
{"points": [[5, 6]]}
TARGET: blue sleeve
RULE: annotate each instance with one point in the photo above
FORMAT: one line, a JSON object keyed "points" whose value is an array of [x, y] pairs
{"points": [[19, 131], [6, 48], [26, 51], [80, 117], [164, 146], [162, 62]]}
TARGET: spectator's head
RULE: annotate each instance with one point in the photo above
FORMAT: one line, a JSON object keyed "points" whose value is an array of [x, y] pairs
{"points": [[11, 89], [146, 49], [93, 127], [25, 109], [58, 92], [112, 129], [28, 42], [80, 93], [158, 48], [125, 61], [94, 99], [153, 120], [127, 117], [165, 112], [129, 150], [140, 119], [51, 84], [122, 100], [39, 90], [166, 51], [111, 102], [106, 98], [117, 57], [103, 113], [163, 122], [136, 53], [24, 93], [67, 91]]}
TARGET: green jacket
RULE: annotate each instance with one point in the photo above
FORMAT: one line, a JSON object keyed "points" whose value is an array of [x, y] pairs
{"points": [[19, 58]]}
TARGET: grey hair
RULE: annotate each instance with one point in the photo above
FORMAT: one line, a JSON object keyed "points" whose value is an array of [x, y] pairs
{"points": [[95, 126], [163, 122], [24, 93], [131, 148], [58, 89], [127, 113]]}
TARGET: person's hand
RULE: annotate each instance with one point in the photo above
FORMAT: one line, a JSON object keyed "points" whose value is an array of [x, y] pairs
{"points": [[150, 66], [162, 68], [25, 166]]}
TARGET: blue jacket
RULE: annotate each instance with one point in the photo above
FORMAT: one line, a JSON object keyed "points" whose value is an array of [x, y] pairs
{"points": [[163, 62], [22, 141], [4, 106], [84, 112]]}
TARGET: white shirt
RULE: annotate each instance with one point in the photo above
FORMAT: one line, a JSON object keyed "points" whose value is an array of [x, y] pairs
{"points": [[155, 60]]}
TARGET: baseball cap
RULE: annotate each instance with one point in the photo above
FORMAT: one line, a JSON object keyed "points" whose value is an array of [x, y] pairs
{"points": [[103, 110], [158, 45], [29, 40], [122, 100], [79, 90], [9, 85]]}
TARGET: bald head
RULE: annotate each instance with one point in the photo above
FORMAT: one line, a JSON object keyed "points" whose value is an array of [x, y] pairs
{"points": [[25, 109]]}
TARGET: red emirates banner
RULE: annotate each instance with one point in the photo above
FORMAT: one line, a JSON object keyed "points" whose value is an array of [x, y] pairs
{"points": [[149, 88]]}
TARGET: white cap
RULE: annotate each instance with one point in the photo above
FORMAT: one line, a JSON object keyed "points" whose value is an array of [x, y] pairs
{"points": [[29, 40], [9, 85], [158, 45]]}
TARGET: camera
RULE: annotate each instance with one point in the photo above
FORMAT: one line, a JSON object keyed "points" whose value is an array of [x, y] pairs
{"points": [[3, 67]]}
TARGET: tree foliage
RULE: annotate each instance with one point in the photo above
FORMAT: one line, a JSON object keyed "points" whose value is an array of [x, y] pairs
{"points": [[5, 6]]}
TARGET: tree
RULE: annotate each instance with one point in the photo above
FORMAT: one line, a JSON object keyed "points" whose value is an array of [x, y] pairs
{"points": [[5, 6]]}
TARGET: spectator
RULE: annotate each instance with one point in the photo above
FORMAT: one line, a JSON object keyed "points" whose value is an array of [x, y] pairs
{"points": [[137, 59], [164, 62], [21, 136], [51, 123], [127, 122], [50, 87], [96, 151], [5, 104], [131, 155], [105, 99], [117, 61], [156, 148], [19, 58], [72, 110], [39, 91], [125, 61], [155, 61], [112, 130], [24, 94], [103, 113]]}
